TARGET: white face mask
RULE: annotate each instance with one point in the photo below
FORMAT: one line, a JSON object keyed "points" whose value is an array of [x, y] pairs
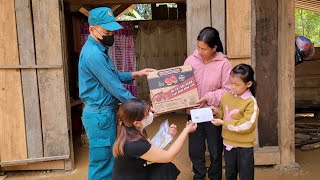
{"points": [[148, 120]]}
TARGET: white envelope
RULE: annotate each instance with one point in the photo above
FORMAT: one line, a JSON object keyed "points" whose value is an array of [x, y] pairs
{"points": [[201, 115]]}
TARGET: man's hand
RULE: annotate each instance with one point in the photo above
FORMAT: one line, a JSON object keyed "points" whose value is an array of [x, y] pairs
{"points": [[142, 73]]}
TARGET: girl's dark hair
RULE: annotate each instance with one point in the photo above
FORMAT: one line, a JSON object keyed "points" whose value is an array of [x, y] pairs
{"points": [[246, 74], [129, 111], [211, 37]]}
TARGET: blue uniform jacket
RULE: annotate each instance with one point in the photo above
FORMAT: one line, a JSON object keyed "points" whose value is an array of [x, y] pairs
{"points": [[100, 84]]}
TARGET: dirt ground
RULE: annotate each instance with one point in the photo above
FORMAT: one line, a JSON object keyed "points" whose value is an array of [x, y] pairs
{"points": [[309, 162]]}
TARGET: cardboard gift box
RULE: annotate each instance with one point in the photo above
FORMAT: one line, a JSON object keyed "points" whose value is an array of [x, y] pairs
{"points": [[172, 89]]}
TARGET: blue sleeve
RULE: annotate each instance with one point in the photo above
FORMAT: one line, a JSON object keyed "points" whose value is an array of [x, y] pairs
{"points": [[108, 77], [125, 77]]}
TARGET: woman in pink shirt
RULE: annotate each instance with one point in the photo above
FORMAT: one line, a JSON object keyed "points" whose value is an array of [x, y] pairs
{"points": [[211, 70]]}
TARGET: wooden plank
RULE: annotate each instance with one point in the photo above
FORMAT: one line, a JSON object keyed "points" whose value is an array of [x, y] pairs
{"points": [[52, 90], [12, 126], [235, 62], [64, 23], [198, 15], [218, 19], [99, 2], [30, 66], [50, 165], [266, 43], [308, 81], [286, 116], [308, 68], [29, 79], [267, 156], [238, 27], [307, 97], [84, 11], [33, 160]]}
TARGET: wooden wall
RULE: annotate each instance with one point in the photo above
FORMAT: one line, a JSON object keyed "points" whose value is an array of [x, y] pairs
{"points": [[198, 17], [33, 97], [308, 83]]}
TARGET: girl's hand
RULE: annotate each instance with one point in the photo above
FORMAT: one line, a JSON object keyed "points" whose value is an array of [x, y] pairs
{"points": [[191, 126], [214, 110], [202, 101], [217, 122], [172, 130]]}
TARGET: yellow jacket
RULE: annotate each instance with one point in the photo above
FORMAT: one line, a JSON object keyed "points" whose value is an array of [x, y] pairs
{"points": [[240, 115]]}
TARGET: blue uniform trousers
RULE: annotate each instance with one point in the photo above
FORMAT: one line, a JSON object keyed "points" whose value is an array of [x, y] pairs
{"points": [[101, 131]]}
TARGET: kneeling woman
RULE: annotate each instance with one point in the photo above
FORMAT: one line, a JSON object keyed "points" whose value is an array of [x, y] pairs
{"points": [[133, 149]]}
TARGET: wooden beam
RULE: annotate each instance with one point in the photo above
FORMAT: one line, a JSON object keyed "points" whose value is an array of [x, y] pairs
{"points": [[49, 165], [266, 70], [97, 2], [30, 66], [84, 11], [122, 10], [314, 9], [286, 80], [33, 160], [198, 16], [29, 78]]}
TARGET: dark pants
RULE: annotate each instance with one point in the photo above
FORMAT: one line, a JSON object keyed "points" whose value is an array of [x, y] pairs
{"points": [[197, 147], [239, 160]]}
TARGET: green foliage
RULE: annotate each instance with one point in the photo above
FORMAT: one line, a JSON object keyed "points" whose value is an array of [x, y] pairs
{"points": [[307, 23]]}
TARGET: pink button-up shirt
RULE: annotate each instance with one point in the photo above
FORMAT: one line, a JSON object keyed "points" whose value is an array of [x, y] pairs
{"points": [[212, 78]]}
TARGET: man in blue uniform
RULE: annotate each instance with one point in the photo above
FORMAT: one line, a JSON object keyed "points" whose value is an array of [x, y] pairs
{"points": [[101, 90]]}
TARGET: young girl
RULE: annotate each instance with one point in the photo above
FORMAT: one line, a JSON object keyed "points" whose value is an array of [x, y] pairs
{"points": [[238, 114], [211, 70], [133, 149]]}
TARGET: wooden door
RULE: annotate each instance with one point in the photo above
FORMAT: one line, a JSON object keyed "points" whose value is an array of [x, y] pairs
{"points": [[34, 111]]}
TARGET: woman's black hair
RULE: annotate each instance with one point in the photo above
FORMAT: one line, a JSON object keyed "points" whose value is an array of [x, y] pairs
{"points": [[129, 111], [211, 37], [246, 74]]}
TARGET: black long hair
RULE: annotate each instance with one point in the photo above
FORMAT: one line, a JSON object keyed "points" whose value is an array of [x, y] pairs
{"points": [[129, 111], [246, 74], [210, 36]]}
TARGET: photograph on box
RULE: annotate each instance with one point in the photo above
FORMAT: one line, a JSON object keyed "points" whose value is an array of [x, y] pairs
{"points": [[172, 89]]}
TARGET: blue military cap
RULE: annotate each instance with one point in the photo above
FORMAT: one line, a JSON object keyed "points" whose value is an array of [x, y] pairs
{"points": [[103, 17]]}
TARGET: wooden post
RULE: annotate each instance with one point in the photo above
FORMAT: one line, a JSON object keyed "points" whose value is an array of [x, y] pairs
{"points": [[266, 52], [198, 17], [286, 75]]}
